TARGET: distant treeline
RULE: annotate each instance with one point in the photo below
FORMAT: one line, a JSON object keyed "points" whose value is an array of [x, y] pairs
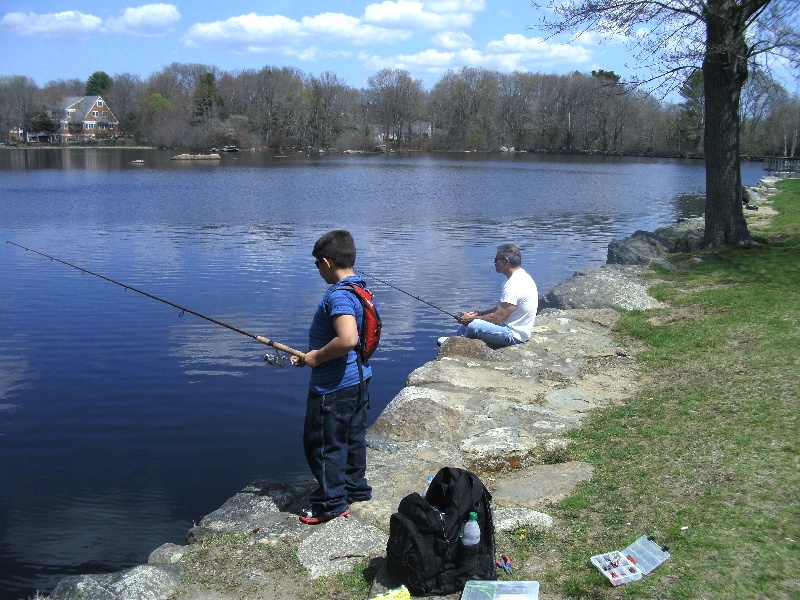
{"points": [[198, 107]]}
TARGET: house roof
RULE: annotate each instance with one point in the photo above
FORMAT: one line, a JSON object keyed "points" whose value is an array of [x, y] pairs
{"points": [[83, 105]]}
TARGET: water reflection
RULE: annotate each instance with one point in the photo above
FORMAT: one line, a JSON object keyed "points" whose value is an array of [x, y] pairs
{"points": [[15, 370], [691, 205], [64, 535]]}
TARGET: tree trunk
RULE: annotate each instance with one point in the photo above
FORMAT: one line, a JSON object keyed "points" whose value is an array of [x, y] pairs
{"points": [[724, 74]]}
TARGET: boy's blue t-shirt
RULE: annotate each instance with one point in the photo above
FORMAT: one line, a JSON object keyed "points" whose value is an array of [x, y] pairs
{"points": [[341, 372]]}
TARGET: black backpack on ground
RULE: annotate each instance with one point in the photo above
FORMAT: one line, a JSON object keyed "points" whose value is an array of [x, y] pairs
{"points": [[424, 549]]}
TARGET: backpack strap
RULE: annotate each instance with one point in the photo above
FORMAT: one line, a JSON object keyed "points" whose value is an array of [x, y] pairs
{"points": [[351, 288], [362, 386], [363, 396]]}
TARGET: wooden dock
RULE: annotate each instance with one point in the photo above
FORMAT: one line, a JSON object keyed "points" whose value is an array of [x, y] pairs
{"points": [[781, 164]]}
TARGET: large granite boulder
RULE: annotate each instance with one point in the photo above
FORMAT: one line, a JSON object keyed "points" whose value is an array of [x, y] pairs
{"points": [[620, 283], [653, 248], [642, 248], [610, 286], [143, 582], [684, 236]]}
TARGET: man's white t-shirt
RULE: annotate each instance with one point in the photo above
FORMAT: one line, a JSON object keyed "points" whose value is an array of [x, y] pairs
{"points": [[520, 290]]}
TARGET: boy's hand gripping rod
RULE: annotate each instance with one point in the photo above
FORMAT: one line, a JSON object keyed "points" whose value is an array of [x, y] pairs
{"points": [[275, 359]]}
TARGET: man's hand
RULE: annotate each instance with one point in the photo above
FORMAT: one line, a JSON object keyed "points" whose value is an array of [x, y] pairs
{"points": [[467, 317], [497, 315]]}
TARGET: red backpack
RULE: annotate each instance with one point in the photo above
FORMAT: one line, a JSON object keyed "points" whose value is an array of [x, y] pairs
{"points": [[370, 334]]}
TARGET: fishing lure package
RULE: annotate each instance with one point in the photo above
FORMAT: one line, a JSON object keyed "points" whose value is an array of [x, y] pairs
{"points": [[632, 563]]}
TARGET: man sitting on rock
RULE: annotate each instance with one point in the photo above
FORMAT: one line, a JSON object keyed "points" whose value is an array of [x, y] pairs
{"points": [[511, 321]]}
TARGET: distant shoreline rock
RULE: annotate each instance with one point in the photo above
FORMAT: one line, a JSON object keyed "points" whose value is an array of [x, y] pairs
{"points": [[212, 156]]}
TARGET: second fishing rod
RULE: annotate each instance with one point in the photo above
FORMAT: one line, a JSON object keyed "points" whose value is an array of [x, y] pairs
{"points": [[441, 310]]}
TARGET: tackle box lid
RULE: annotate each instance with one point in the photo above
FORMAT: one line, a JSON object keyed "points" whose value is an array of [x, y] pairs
{"points": [[647, 554], [632, 563], [501, 590]]}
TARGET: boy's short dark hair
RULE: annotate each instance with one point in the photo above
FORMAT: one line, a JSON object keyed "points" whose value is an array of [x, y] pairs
{"points": [[337, 245]]}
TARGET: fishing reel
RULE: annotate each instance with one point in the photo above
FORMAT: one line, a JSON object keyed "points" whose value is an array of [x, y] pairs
{"points": [[275, 358]]}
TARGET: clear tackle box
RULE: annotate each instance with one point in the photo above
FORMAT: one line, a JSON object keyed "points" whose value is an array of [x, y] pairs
{"points": [[501, 590], [632, 563]]}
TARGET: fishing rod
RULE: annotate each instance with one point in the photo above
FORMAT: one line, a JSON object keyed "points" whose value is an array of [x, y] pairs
{"points": [[275, 359], [441, 310]]}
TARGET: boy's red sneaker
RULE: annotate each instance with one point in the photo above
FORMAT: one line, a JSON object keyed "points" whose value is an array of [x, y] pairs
{"points": [[309, 518]]}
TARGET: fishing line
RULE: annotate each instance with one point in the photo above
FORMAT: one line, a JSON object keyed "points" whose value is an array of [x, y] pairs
{"points": [[275, 359], [441, 310]]}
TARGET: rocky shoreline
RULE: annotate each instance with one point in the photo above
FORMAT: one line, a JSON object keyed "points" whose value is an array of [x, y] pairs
{"points": [[501, 413]]}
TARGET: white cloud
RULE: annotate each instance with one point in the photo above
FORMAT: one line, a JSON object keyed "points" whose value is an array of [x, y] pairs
{"points": [[70, 25], [339, 26], [452, 39], [428, 61], [151, 20], [535, 52], [257, 33], [411, 14], [147, 20], [243, 31], [451, 6], [515, 42], [513, 53]]}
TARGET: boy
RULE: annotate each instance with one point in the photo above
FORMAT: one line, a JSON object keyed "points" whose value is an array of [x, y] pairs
{"points": [[334, 434]]}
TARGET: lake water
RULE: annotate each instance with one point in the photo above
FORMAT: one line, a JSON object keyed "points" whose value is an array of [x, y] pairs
{"points": [[123, 421]]}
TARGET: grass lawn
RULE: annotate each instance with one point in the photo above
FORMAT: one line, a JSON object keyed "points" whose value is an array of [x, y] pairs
{"points": [[705, 458]]}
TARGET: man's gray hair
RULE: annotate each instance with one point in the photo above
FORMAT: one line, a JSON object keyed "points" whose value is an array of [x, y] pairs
{"points": [[511, 252]]}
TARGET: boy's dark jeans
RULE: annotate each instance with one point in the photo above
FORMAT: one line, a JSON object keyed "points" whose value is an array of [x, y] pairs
{"points": [[334, 439]]}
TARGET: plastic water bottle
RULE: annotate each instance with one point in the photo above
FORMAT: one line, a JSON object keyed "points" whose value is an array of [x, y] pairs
{"points": [[471, 534], [427, 485]]}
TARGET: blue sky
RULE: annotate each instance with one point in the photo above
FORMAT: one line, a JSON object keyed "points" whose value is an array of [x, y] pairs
{"points": [[65, 39]]}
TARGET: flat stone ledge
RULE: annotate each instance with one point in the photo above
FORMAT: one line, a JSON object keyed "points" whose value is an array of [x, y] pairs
{"points": [[338, 545], [541, 485]]}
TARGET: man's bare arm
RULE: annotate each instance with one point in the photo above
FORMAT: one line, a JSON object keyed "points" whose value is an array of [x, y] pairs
{"points": [[497, 315]]}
